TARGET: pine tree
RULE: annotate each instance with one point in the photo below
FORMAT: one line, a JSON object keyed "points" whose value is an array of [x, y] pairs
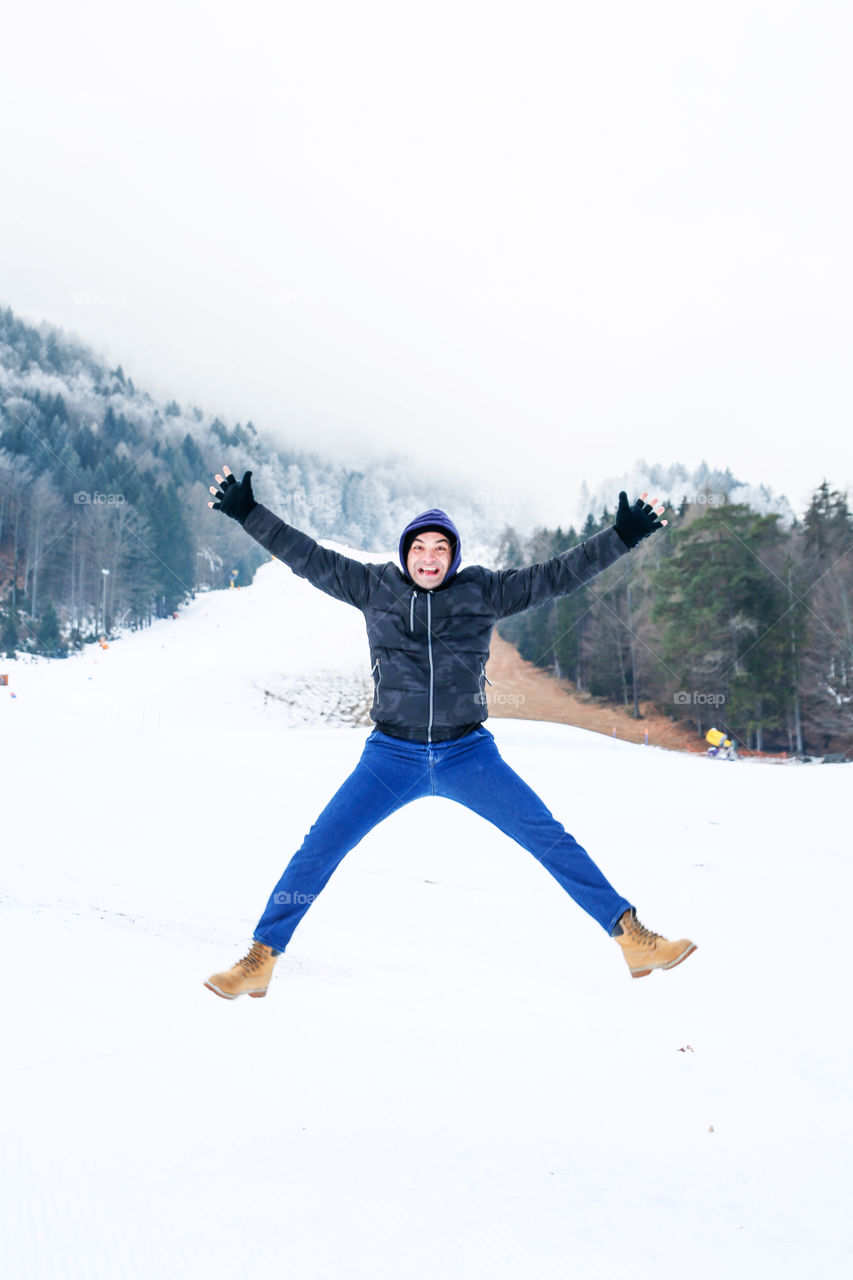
{"points": [[826, 579], [49, 634], [171, 548], [9, 634], [722, 605]]}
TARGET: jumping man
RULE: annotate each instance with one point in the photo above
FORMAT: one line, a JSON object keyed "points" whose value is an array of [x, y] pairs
{"points": [[429, 626]]}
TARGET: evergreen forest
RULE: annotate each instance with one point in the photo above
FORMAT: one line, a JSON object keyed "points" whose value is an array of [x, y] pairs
{"points": [[725, 619]]}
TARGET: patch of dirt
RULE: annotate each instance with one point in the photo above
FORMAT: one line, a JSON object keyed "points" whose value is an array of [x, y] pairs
{"points": [[521, 691]]}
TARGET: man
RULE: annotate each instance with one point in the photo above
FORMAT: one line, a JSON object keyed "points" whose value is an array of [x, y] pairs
{"points": [[429, 624]]}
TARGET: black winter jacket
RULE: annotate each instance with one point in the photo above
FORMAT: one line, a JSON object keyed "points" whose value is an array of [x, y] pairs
{"points": [[428, 649]]}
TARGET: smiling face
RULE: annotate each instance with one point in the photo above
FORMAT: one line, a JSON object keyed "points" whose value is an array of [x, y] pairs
{"points": [[429, 559]]}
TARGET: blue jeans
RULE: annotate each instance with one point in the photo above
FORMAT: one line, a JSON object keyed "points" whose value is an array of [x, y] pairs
{"points": [[391, 773]]}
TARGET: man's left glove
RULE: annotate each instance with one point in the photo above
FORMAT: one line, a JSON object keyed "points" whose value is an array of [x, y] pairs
{"points": [[235, 500], [635, 523]]}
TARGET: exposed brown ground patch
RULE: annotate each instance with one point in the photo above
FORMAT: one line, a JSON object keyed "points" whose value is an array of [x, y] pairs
{"points": [[521, 691]]}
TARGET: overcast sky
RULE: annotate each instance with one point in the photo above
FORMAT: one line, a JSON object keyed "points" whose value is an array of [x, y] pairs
{"points": [[533, 242]]}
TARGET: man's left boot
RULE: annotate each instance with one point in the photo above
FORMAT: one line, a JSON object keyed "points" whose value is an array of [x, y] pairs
{"points": [[644, 950], [249, 976]]}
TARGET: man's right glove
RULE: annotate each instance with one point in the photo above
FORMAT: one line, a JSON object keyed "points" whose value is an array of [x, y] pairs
{"points": [[235, 500], [635, 523]]}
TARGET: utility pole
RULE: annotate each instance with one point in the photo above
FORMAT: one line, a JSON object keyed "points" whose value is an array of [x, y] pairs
{"points": [[105, 573]]}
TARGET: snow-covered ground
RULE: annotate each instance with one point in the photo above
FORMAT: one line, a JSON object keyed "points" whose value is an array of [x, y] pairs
{"points": [[453, 1073]]}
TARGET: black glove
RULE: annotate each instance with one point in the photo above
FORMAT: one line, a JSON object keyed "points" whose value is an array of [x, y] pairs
{"points": [[635, 523], [235, 500]]}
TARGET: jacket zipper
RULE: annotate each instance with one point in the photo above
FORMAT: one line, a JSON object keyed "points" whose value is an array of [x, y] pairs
{"points": [[431, 671], [429, 653]]}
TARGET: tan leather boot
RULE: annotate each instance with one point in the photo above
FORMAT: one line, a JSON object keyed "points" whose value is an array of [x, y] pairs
{"points": [[250, 976], [644, 950]]}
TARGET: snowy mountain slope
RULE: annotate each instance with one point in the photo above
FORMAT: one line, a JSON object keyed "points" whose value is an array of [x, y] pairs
{"points": [[245, 646], [453, 1073]]}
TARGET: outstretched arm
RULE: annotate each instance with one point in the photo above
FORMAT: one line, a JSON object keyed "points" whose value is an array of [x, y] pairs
{"points": [[517, 589], [338, 575]]}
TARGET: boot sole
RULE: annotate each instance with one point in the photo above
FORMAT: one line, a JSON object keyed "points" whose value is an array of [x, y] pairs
{"points": [[644, 973], [226, 995]]}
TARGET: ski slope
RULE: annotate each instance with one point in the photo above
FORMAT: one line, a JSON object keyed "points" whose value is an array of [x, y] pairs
{"points": [[453, 1073]]}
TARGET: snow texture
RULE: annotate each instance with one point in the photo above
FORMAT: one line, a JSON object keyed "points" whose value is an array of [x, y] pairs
{"points": [[453, 1073]]}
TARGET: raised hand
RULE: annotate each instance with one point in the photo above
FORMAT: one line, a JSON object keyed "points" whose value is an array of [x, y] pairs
{"points": [[232, 498], [633, 523]]}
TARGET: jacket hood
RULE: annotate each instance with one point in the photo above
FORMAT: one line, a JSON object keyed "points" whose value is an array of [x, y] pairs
{"points": [[434, 519]]}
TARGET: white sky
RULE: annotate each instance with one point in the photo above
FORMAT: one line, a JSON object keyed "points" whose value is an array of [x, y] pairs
{"points": [[535, 242]]}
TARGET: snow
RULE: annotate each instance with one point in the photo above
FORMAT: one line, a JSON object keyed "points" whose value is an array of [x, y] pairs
{"points": [[453, 1073]]}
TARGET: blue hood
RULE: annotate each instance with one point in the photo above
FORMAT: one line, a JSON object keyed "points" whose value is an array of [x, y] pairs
{"points": [[439, 521]]}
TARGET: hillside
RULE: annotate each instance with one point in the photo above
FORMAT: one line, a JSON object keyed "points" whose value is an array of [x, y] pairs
{"points": [[453, 1073], [521, 691]]}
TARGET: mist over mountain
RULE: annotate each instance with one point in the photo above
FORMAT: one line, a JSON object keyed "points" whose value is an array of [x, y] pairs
{"points": [[103, 495], [678, 486]]}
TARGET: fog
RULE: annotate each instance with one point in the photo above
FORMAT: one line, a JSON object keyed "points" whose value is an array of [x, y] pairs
{"points": [[529, 246]]}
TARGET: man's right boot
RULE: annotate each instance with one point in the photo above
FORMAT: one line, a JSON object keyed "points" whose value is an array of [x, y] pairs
{"points": [[249, 976], [644, 950]]}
